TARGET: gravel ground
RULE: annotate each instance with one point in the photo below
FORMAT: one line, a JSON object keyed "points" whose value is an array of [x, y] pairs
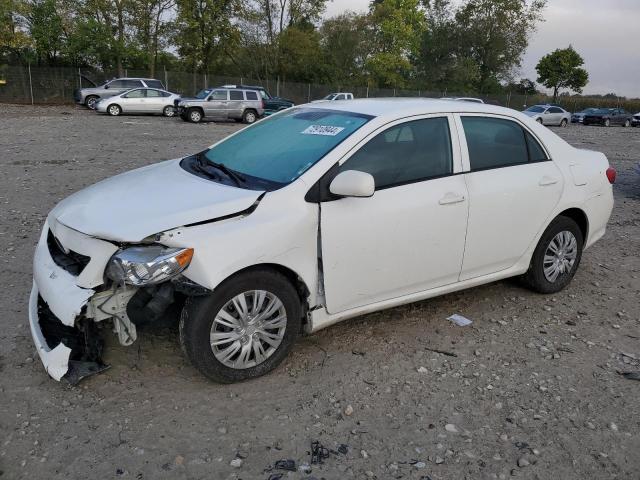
{"points": [[532, 389]]}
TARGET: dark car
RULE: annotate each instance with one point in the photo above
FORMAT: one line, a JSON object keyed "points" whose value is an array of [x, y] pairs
{"points": [[578, 117], [635, 121], [607, 117], [271, 104]]}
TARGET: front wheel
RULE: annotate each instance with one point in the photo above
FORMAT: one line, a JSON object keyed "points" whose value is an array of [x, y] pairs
{"points": [[556, 257], [563, 123], [626, 123], [91, 101], [244, 329], [539, 120], [607, 122], [114, 110], [194, 115]]}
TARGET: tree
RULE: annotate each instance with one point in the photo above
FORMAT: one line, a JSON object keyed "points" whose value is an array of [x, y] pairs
{"points": [[494, 34], [45, 27], [562, 68]]}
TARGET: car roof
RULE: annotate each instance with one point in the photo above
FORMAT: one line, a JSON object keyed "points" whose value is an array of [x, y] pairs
{"points": [[246, 87], [135, 78], [407, 106]]}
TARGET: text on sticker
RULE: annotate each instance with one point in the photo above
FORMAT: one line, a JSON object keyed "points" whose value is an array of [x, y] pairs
{"points": [[322, 130]]}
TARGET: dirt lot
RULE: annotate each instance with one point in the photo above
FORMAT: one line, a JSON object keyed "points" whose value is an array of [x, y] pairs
{"points": [[531, 389]]}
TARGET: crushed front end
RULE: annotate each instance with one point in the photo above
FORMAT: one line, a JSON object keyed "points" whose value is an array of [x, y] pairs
{"points": [[73, 297]]}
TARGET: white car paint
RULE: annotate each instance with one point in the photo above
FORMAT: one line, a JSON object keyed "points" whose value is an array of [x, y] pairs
{"points": [[400, 245], [335, 97], [550, 115], [149, 104]]}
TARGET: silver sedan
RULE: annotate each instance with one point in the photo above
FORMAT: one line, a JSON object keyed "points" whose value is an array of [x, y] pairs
{"points": [[140, 100]]}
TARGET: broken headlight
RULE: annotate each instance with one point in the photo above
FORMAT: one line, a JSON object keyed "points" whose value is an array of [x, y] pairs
{"points": [[147, 265]]}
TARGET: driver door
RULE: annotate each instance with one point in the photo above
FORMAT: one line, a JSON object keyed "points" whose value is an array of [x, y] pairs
{"points": [[409, 236], [217, 104]]}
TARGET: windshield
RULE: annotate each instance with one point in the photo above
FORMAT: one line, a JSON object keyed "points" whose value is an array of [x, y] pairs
{"points": [[203, 93], [281, 148], [535, 109], [331, 96]]}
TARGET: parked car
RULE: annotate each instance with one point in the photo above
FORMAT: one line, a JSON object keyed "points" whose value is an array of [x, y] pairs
{"points": [[271, 104], [635, 121], [549, 115], [308, 218], [89, 96], [223, 104], [464, 99], [140, 100], [332, 97], [578, 117], [607, 117]]}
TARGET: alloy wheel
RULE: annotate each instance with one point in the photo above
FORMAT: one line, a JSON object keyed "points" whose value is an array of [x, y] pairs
{"points": [[560, 256], [248, 329]]}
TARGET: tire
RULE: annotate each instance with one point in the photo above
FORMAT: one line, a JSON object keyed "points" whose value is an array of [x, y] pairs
{"points": [[626, 123], [249, 116], [607, 123], [194, 115], [114, 110], [536, 278], [200, 319], [169, 111], [539, 120], [564, 123], [91, 101]]}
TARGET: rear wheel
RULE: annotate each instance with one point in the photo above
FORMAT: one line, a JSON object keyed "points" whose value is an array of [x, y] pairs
{"points": [[607, 122], [564, 122], [169, 111], [244, 329], [626, 123], [114, 110], [249, 116], [556, 257], [91, 101], [194, 115]]}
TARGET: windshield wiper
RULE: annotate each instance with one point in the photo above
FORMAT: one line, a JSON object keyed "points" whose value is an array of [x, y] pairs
{"points": [[204, 162], [200, 166]]}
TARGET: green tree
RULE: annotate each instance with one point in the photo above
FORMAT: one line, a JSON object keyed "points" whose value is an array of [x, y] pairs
{"points": [[45, 27], [14, 37], [495, 34], [562, 68], [397, 27]]}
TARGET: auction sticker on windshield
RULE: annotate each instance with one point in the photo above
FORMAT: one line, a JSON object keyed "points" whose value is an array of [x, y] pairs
{"points": [[327, 130]]}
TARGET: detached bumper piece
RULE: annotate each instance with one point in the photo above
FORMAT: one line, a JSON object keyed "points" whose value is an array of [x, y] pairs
{"points": [[84, 342]]}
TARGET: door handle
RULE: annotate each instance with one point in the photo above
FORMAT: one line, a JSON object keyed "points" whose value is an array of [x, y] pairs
{"points": [[546, 181], [450, 198]]}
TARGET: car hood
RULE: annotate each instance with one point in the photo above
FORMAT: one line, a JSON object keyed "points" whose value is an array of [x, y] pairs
{"points": [[149, 200]]}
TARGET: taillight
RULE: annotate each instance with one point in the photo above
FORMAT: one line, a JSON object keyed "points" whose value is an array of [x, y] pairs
{"points": [[611, 175]]}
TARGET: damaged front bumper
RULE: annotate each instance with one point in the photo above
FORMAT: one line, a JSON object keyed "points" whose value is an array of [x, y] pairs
{"points": [[67, 267]]}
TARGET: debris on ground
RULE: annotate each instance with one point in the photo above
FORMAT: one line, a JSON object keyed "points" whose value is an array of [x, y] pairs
{"points": [[631, 375], [460, 320], [289, 465], [318, 453]]}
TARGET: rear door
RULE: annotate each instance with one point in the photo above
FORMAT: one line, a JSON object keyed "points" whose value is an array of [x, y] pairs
{"points": [[155, 101], [513, 188], [555, 116], [235, 106]]}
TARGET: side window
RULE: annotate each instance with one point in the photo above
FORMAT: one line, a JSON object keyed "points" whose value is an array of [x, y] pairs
{"points": [[132, 83], [406, 153], [139, 93], [251, 95], [339, 97], [555, 110], [218, 95], [236, 95], [536, 153], [154, 93], [494, 142], [117, 84]]}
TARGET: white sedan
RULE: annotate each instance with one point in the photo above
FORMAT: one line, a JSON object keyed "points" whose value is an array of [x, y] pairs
{"points": [[139, 100], [549, 115], [310, 217]]}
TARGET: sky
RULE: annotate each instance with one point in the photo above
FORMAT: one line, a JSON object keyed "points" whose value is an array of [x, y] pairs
{"points": [[604, 32]]}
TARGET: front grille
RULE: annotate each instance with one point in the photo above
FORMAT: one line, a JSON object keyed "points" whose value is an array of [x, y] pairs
{"points": [[72, 262]]}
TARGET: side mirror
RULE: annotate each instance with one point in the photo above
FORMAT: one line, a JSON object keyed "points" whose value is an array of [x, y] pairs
{"points": [[352, 183]]}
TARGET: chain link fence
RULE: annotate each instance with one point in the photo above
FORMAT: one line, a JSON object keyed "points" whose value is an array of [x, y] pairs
{"points": [[55, 85]]}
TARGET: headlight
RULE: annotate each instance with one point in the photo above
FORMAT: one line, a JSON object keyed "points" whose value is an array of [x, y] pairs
{"points": [[147, 265]]}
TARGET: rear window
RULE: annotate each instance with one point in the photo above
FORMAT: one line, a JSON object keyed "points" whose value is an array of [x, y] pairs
{"points": [[251, 95], [236, 95], [154, 84]]}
